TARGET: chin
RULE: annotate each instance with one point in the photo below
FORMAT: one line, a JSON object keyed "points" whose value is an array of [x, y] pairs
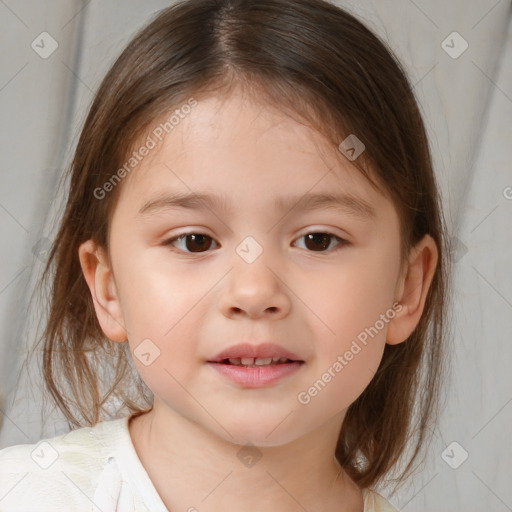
{"points": [[255, 431]]}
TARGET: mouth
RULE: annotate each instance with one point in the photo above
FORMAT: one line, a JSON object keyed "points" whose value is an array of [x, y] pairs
{"points": [[255, 372], [249, 354], [255, 366], [251, 362]]}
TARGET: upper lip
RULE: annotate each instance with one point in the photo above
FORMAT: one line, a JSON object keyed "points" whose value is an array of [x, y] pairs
{"points": [[260, 351]]}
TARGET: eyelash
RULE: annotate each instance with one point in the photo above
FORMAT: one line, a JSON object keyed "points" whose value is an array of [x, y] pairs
{"points": [[341, 241]]}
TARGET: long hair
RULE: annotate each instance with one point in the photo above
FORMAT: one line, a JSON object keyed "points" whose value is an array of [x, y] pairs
{"points": [[314, 61]]}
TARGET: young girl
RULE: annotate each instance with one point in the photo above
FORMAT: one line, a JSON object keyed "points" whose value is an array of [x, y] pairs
{"points": [[252, 225]]}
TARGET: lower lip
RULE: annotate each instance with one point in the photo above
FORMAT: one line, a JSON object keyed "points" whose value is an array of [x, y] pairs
{"points": [[256, 377]]}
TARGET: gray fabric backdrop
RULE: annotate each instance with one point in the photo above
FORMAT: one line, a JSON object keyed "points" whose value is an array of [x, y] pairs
{"points": [[466, 98]]}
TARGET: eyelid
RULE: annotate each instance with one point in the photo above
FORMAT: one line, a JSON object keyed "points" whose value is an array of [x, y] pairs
{"points": [[342, 241], [327, 230], [169, 241]]}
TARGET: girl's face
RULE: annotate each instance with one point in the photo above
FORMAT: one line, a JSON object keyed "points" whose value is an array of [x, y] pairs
{"points": [[254, 276]]}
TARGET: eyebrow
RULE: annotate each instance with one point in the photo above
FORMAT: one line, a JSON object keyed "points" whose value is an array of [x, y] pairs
{"points": [[346, 203]]}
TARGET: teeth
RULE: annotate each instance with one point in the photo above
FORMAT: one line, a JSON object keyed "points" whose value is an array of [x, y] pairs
{"points": [[251, 361], [261, 362]]}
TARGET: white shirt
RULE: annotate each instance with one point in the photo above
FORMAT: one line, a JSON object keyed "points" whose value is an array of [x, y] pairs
{"points": [[91, 469]]}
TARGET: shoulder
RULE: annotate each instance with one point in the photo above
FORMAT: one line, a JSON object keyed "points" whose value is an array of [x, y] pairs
{"points": [[374, 502], [56, 472]]}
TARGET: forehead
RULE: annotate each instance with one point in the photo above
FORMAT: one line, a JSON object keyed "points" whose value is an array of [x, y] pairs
{"points": [[246, 150]]}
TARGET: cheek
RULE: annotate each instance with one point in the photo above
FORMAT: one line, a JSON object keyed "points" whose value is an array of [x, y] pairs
{"points": [[350, 351], [161, 310], [155, 295], [340, 384], [355, 306], [167, 359], [354, 296]]}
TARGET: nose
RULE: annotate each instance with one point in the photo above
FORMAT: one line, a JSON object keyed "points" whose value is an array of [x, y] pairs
{"points": [[255, 290]]}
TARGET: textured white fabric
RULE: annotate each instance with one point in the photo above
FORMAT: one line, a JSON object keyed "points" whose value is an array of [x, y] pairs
{"points": [[90, 469]]}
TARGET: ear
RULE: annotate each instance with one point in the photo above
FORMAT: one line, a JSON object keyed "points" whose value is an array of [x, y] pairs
{"points": [[412, 290], [98, 274]]}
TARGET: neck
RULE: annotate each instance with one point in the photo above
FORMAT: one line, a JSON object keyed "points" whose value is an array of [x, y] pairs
{"points": [[193, 468]]}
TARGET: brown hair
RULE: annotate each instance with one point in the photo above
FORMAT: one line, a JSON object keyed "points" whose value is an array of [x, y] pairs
{"points": [[318, 63]]}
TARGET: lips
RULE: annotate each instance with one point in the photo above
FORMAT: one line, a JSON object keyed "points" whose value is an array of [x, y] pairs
{"points": [[246, 353]]}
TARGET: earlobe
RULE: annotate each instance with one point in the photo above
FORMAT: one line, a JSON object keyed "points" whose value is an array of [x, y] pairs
{"points": [[98, 275], [413, 290]]}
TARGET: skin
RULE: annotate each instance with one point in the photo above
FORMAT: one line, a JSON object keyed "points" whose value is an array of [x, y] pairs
{"points": [[191, 305]]}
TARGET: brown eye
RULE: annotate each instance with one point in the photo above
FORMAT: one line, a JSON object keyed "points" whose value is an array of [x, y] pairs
{"points": [[320, 241], [199, 242], [194, 242]]}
